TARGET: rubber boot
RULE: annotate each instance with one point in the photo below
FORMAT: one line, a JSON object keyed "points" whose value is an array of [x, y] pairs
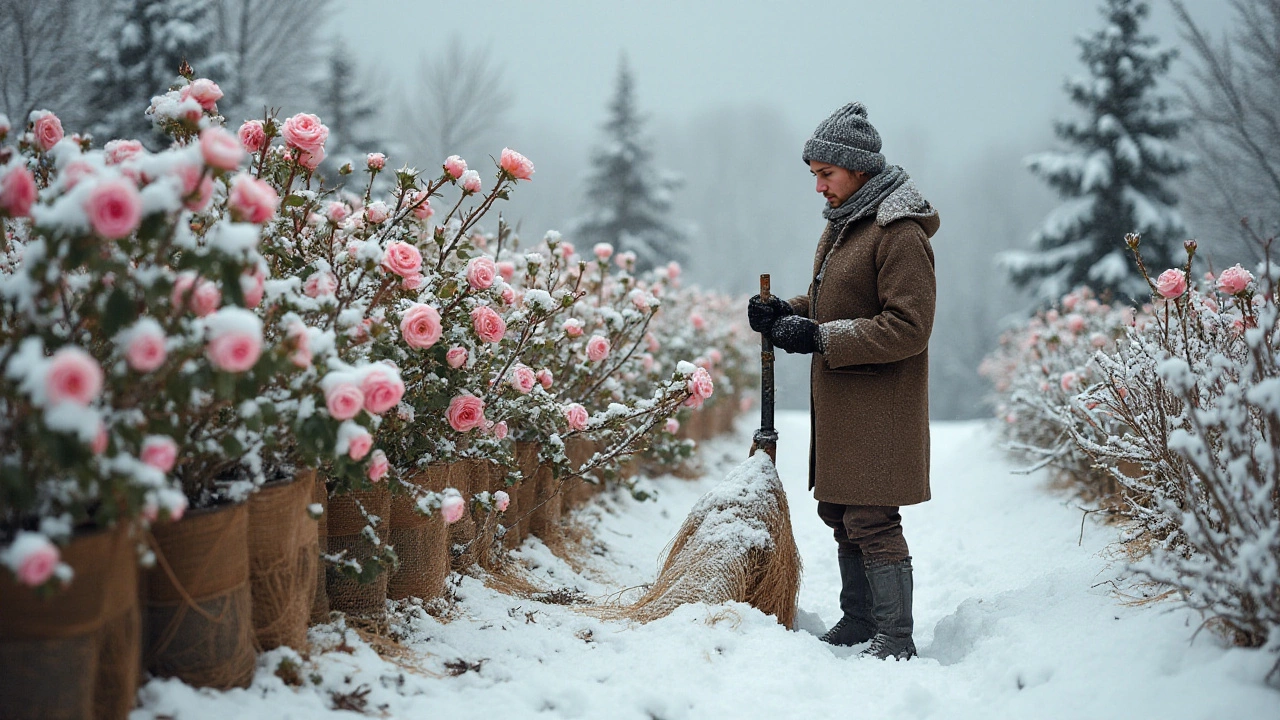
{"points": [[891, 587], [856, 624]]}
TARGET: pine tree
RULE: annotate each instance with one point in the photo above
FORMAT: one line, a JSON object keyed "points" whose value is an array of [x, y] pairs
{"points": [[142, 46], [346, 109], [1114, 179], [628, 199]]}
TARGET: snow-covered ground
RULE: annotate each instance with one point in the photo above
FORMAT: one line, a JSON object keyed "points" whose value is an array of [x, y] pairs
{"points": [[1016, 617]]}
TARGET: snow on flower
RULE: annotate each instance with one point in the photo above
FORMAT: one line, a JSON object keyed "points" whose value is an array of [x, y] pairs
{"points": [[1234, 280], [572, 327], [144, 345], [456, 357], [603, 251], [199, 295], [481, 272], [252, 200], [353, 440], [597, 348], [47, 128], [470, 182], [305, 132], [489, 325], [515, 164], [160, 452], [220, 149], [576, 415], [1172, 283], [320, 284], [114, 208], [118, 151], [420, 326], [523, 379], [17, 192], [235, 339], [375, 161], [73, 376], [452, 506], [32, 558], [378, 465], [252, 136], [501, 500], [455, 166], [205, 92], [382, 388]]}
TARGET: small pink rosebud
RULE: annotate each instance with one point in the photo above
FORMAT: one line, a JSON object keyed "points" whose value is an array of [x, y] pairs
{"points": [[515, 164], [32, 558], [378, 465], [545, 378], [452, 507], [597, 348], [376, 161], [673, 426], [1172, 283], [470, 181], [603, 251], [455, 166], [160, 452], [572, 327], [501, 501], [421, 204], [456, 357], [73, 376], [500, 430]]}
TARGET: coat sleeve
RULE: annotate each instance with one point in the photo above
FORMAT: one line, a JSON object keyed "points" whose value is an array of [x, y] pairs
{"points": [[907, 290], [800, 304]]}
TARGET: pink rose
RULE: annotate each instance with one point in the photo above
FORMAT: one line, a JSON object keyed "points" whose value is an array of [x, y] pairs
{"points": [[506, 268], [673, 270], [197, 187], [481, 272], [234, 351], [311, 159], [715, 355], [577, 416], [673, 426], [523, 379], [1234, 280], [420, 326], [452, 508], [515, 164], [343, 400], [301, 342], [1075, 322], [456, 357], [700, 385], [160, 452], [375, 161], [382, 388], [1172, 283], [1069, 379], [336, 212], [319, 284], [597, 348], [253, 286], [501, 501], [17, 192], [455, 166], [378, 466], [640, 300], [252, 136], [625, 260], [32, 558], [508, 295], [465, 413], [489, 326], [220, 149], [48, 130], [699, 323], [413, 282], [204, 91], [145, 350], [572, 327], [646, 362], [360, 444], [114, 208], [471, 182], [603, 251], [252, 200], [544, 378], [201, 296], [305, 132], [118, 151], [402, 259], [377, 212], [73, 376], [500, 430], [421, 204]]}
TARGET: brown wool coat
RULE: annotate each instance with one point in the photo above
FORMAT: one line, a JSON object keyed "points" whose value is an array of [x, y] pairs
{"points": [[869, 422]]}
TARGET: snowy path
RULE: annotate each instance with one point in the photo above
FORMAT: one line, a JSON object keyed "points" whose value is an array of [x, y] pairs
{"points": [[1014, 619]]}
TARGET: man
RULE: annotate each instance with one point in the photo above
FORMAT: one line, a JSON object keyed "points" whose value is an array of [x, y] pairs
{"points": [[866, 320]]}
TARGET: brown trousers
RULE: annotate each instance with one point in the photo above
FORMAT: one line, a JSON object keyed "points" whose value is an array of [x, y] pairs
{"points": [[873, 531]]}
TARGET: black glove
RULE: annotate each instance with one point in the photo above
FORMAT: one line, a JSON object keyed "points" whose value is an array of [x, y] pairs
{"points": [[795, 334], [762, 314]]}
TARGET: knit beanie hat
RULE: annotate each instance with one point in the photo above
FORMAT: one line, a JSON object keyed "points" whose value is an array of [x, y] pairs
{"points": [[846, 139]]}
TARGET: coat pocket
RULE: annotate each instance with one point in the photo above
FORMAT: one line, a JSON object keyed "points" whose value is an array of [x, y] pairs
{"points": [[878, 369]]}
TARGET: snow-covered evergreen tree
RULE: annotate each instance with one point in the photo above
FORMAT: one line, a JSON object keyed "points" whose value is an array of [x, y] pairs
{"points": [[346, 107], [1114, 178], [629, 200], [137, 57]]}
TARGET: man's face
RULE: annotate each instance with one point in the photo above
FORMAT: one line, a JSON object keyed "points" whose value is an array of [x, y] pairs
{"points": [[836, 183]]}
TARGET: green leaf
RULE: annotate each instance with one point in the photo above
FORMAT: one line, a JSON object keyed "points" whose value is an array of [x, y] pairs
{"points": [[448, 289], [119, 312], [293, 201]]}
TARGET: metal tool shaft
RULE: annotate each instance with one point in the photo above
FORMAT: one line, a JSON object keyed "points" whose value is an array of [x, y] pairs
{"points": [[766, 438]]}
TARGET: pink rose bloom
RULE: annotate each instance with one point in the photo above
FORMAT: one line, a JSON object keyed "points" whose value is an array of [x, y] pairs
{"points": [[343, 400], [452, 508], [673, 426], [471, 182], [465, 413], [1069, 301], [481, 272], [1069, 379], [625, 260], [118, 151], [715, 355], [1234, 280], [375, 161], [1098, 340], [421, 204], [360, 445], [17, 192], [544, 378], [651, 342], [413, 282], [48, 130], [603, 251], [597, 348], [640, 300], [301, 341], [489, 325], [523, 379], [252, 200], [235, 350], [500, 430], [515, 164], [220, 149], [204, 91], [646, 362], [320, 284], [501, 501], [378, 466], [336, 212], [253, 286], [1172, 283], [700, 384], [508, 295], [577, 416], [305, 132], [1075, 322], [455, 166], [377, 212], [572, 327], [100, 440], [699, 323], [160, 452], [506, 268], [197, 187], [201, 296], [252, 136], [114, 208], [73, 376], [145, 350], [673, 270], [456, 357], [402, 259], [382, 388], [311, 159], [32, 558], [420, 326]]}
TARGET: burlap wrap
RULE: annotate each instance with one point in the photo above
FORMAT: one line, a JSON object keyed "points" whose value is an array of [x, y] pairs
{"points": [[283, 553], [526, 491], [579, 451], [199, 606], [468, 476], [320, 604], [76, 654], [345, 527], [421, 541], [487, 521], [545, 520]]}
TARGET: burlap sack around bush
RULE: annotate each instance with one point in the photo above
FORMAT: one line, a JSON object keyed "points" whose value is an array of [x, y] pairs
{"points": [[345, 533], [283, 554], [421, 541], [320, 601]]}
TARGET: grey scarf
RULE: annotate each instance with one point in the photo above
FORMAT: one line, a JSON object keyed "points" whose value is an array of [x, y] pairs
{"points": [[867, 199]]}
